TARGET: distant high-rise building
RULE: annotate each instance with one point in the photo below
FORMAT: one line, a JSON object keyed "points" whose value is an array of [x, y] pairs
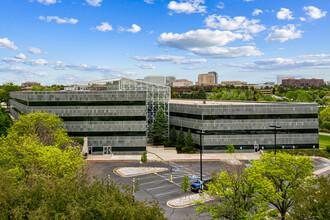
{"points": [[206, 79], [161, 80], [302, 82]]}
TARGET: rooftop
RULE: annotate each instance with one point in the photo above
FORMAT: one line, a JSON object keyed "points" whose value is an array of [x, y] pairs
{"points": [[224, 102]]}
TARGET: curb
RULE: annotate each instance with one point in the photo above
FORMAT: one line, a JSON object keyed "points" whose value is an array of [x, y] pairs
{"points": [[118, 173], [188, 205]]}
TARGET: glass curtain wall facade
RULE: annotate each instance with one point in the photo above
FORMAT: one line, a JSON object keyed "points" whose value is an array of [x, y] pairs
{"points": [[157, 96]]}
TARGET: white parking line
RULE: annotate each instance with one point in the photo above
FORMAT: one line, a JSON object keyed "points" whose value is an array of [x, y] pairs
{"points": [[158, 187], [152, 182], [168, 193]]}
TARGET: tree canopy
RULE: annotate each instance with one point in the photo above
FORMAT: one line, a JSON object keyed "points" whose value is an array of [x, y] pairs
{"points": [[43, 177], [159, 130]]}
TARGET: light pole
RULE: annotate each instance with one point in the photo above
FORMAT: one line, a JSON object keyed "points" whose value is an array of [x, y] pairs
{"points": [[133, 190], [201, 153], [275, 127]]}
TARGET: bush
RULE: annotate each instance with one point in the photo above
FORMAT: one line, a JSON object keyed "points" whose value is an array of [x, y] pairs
{"points": [[328, 148], [303, 152], [273, 213], [79, 140]]}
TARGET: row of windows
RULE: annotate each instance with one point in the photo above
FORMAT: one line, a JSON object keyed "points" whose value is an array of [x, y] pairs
{"points": [[116, 149], [18, 111], [216, 117], [107, 133], [250, 147], [105, 118], [251, 132], [80, 103]]}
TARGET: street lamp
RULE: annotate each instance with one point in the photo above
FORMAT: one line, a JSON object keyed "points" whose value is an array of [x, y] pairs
{"points": [[275, 127], [201, 152]]}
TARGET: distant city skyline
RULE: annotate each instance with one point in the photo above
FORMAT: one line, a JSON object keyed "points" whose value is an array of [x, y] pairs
{"points": [[64, 42]]}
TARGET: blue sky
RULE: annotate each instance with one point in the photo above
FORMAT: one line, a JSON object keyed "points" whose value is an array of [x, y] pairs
{"points": [[67, 41]]}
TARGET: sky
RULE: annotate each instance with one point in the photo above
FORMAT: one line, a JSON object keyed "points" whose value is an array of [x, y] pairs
{"points": [[68, 41]]}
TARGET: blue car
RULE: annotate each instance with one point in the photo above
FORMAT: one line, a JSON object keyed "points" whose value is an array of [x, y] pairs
{"points": [[196, 186]]}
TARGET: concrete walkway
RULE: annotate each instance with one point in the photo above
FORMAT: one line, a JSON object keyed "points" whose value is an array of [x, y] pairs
{"points": [[327, 134], [161, 154]]}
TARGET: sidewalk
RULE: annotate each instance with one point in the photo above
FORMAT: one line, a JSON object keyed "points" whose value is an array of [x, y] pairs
{"points": [[160, 154]]}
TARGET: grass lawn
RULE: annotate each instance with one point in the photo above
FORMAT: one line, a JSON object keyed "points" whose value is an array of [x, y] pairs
{"points": [[324, 141]]}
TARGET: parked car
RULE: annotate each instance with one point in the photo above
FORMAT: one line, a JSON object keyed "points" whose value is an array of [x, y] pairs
{"points": [[196, 186]]}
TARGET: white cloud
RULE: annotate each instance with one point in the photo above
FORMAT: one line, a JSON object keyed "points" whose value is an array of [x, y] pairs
{"points": [[191, 61], [302, 19], [169, 58], [314, 56], [58, 19], [239, 23], [221, 5], [134, 29], [5, 43], [95, 3], [20, 56], [46, 2], [105, 26], [283, 34], [15, 69], [159, 58], [149, 1], [228, 52], [257, 12], [35, 50], [198, 39], [282, 64], [187, 6], [314, 13], [42, 74], [248, 0], [60, 65], [146, 66], [285, 14]]}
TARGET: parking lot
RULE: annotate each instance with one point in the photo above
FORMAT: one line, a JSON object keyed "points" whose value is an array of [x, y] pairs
{"points": [[159, 185]]}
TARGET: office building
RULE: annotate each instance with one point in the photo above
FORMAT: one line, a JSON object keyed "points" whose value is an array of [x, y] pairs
{"points": [[182, 83], [263, 85], [207, 79], [302, 82], [246, 124], [116, 116], [280, 78], [161, 80], [116, 120], [235, 83]]}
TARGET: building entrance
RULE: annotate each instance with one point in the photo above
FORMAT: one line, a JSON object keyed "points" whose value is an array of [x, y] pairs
{"points": [[107, 150]]}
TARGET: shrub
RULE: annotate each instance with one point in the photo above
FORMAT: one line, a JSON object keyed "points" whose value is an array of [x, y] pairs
{"points": [[273, 212], [328, 148]]}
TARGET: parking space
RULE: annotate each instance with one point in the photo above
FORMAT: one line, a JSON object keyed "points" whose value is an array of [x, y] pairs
{"points": [[159, 185]]}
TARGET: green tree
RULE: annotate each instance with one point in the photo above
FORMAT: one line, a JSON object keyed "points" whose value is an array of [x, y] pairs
{"points": [[38, 145], [144, 157], [312, 200], [185, 184], [180, 140], [189, 146], [174, 94], [200, 94], [240, 194], [8, 87], [5, 122], [173, 137], [230, 149], [287, 173], [159, 130]]}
